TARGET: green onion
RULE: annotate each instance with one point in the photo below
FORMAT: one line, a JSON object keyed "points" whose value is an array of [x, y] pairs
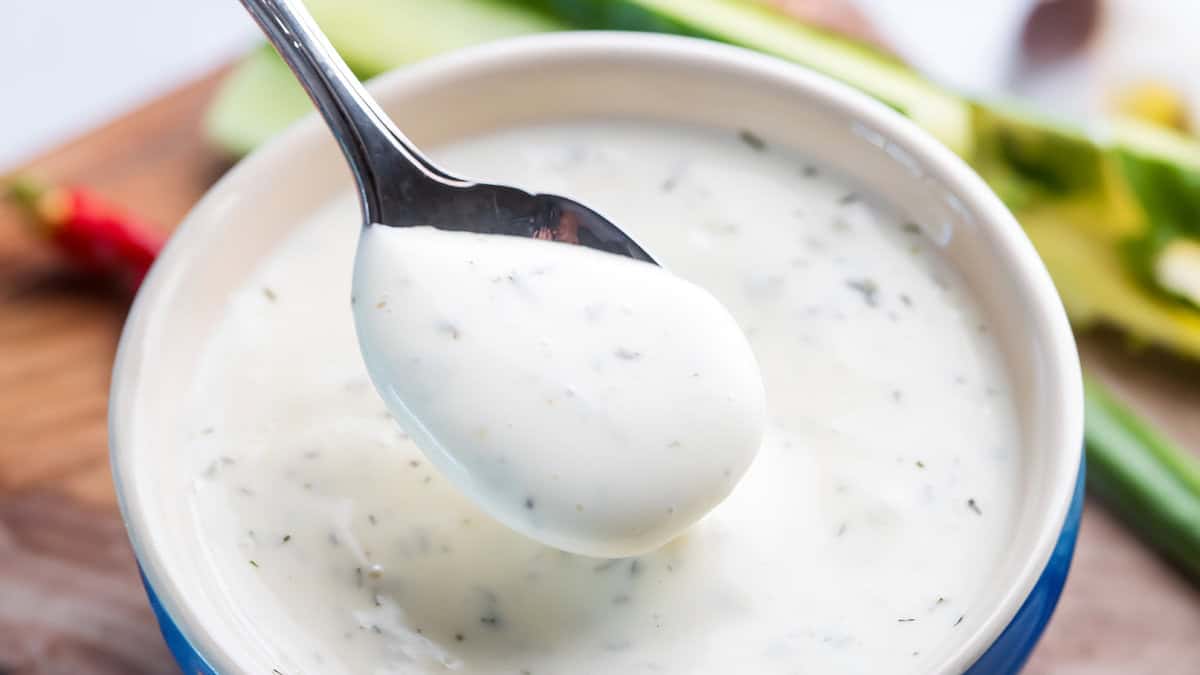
{"points": [[1146, 480]]}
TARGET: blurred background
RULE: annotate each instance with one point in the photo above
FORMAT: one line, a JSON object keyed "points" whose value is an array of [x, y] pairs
{"points": [[82, 63], [1083, 117]]}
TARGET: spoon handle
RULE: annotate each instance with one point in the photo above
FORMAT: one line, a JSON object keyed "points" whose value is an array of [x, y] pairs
{"points": [[384, 163]]}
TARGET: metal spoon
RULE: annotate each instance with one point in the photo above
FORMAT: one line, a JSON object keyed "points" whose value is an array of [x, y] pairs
{"points": [[397, 185]]}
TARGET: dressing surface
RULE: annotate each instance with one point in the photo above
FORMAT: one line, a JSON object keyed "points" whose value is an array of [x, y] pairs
{"points": [[876, 508]]}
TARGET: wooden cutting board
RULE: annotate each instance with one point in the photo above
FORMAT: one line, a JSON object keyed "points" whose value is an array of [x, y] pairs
{"points": [[70, 600]]}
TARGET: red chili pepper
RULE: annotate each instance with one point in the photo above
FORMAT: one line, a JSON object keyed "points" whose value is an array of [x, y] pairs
{"points": [[97, 236]]}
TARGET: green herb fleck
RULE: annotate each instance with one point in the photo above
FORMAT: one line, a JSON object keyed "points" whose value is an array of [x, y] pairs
{"points": [[269, 293], [868, 288], [254, 563], [753, 140]]}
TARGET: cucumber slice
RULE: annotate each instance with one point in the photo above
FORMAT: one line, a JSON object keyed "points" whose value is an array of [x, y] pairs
{"points": [[258, 99], [375, 36], [1053, 158], [1148, 140], [261, 97], [945, 115]]}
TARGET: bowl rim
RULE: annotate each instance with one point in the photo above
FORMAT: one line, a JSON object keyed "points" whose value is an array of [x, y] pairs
{"points": [[1063, 380]]}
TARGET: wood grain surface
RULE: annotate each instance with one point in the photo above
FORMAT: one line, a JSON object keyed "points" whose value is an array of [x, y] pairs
{"points": [[70, 600]]}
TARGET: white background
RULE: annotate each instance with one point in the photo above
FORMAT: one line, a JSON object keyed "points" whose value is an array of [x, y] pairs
{"points": [[69, 65]]}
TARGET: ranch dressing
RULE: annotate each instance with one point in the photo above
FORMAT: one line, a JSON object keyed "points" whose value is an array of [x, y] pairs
{"points": [[596, 403], [859, 540]]}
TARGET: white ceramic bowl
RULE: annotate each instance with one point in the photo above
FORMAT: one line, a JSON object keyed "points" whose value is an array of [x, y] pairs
{"points": [[597, 74]]}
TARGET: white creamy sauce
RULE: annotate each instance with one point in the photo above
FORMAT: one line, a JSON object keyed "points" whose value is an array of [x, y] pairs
{"points": [[596, 403], [878, 506]]}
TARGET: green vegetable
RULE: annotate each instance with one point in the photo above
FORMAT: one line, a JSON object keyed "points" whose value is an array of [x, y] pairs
{"points": [[943, 114], [375, 36], [1028, 157], [1143, 478], [261, 97], [1086, 207], [1162, 168]]}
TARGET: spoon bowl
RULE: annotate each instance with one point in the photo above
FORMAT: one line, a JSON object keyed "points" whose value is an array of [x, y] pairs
{"points": [[397, 185]]}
